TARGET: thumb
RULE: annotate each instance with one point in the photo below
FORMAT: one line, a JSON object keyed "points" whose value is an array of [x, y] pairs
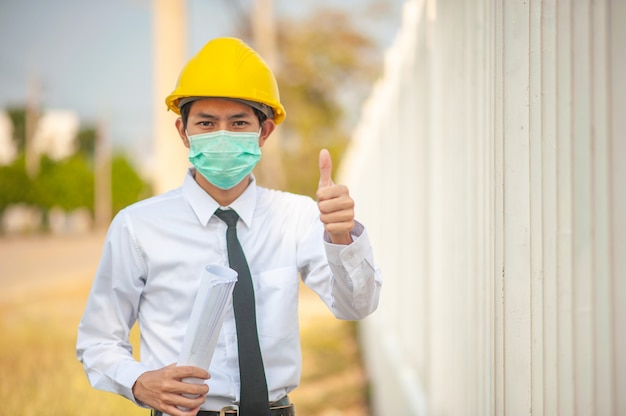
{"points": [[326, 167]]}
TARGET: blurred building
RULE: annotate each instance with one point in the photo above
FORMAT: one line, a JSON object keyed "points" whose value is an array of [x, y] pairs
{"points": [[55, 134], [489, 168]]}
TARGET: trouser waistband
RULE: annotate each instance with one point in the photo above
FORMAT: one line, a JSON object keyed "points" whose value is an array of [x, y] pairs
{"points": [[281, 407]]}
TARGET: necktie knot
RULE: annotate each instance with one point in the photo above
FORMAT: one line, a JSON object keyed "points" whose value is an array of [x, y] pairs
{"points": [[229, 216]]}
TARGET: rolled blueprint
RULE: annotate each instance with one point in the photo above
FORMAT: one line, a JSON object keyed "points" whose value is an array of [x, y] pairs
{"points": [[207, 317]]}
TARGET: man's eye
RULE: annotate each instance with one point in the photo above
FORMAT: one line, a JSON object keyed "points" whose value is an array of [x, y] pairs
{"points": [[205, 123], [241, 123]]}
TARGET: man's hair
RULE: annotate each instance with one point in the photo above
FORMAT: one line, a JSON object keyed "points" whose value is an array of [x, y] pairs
{"points": [[184, 114]]}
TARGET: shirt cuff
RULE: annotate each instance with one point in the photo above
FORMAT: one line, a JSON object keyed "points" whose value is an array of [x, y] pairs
{"points": [[129, 372], [350, 256]]}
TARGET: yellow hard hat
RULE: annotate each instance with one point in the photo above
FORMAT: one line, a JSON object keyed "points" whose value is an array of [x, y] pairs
{"points": [[228, 68]]}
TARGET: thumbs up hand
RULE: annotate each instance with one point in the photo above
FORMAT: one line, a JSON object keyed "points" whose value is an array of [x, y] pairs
{"points": [[335, 204]]}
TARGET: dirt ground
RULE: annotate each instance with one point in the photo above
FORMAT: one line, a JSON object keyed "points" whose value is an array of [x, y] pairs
{"points": [[333, 381]]}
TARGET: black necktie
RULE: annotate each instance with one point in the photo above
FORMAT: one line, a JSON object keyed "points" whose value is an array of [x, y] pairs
{"points": [[253, 394]]}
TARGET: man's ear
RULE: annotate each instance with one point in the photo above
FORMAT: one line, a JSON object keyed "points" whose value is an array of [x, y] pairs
{"points": [[181, 131], [267, 128]]}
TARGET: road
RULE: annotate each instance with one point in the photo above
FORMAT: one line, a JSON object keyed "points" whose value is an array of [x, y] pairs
{"points": [[37, 262]]}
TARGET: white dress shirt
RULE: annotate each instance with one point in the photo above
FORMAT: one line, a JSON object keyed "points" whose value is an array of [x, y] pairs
{"points": [[152, 261]]}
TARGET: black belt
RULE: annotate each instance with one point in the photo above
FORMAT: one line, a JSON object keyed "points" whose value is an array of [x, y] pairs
{"points": [[280, 407], [288, 410]]}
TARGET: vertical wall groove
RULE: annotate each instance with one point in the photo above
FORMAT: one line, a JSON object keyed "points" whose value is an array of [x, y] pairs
{"points": [[617, 195], [498, 227], [549, 230], [536, 208]]}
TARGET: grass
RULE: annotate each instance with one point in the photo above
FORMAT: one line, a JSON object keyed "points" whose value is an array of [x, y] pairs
{"points": [[39, 373]]}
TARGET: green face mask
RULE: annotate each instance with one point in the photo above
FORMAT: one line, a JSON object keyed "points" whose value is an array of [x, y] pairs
{"points": [[224, 157]]}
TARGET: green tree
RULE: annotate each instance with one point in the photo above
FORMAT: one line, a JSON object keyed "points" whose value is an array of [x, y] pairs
{"points": [[15, 185], [326, 68], [18, 118], [68, 183], [126, 184], [86, 141]]}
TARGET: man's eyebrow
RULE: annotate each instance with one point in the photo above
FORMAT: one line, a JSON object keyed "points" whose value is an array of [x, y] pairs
{"points": [[214, 117], [205, 115], [239, 115]]}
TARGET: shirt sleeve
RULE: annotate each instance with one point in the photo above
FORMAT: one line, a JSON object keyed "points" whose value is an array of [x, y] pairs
{"points": [[103, 345], [344, 276], [356, 280]]}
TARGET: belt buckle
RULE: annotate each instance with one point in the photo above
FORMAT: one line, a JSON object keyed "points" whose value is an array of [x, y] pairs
{"points": [[224, 409]]}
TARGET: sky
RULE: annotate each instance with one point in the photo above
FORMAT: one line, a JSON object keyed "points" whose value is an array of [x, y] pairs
{"points": [[94, 57]]}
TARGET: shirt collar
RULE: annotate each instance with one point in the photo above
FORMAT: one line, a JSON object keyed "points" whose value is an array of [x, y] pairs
{"points": [[204, 206]]}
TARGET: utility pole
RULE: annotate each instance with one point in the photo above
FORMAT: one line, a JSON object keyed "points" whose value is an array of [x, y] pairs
{"points": [[270, 172], [169, 47], [32, 117], [102, 161]]}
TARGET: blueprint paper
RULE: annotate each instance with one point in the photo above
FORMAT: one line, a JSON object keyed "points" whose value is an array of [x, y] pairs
{"points": [[207, 317]]}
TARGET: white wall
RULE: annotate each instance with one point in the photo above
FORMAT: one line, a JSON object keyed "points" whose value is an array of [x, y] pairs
{"points": [[490, 168]]}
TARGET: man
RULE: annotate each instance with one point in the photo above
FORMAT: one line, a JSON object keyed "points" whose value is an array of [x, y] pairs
{"points": [[156, 250]]}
